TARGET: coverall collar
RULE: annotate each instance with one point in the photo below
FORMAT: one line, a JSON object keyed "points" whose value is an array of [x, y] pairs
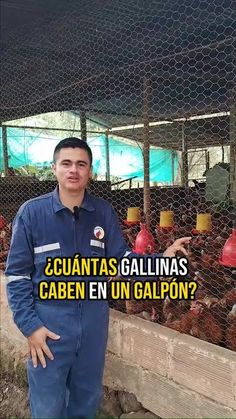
{"points": [[87, 203]]}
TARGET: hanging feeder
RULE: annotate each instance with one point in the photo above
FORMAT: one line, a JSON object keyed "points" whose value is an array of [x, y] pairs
{"points": [[203, 224], [228, 254], [133, 216], [144, 242], [166, 221]]}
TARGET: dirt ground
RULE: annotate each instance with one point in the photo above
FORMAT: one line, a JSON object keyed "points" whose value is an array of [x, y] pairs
{"points": [[13, 399], [14, 402]]}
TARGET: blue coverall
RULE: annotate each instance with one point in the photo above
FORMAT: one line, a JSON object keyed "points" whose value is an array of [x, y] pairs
{"points": [[71, 385]]}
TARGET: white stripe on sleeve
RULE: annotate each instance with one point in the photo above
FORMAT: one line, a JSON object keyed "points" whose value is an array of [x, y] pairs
{"points": [[47, 247], [11, 278]]}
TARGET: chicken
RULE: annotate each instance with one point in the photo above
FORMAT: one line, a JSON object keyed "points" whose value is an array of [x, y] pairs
{"points": [[183, 324], [200, 323], [219, 308], [214, 282], [130, 235], [118, 305], [164, 239], [173, 309], [5, 234], [135, 307], [152, 307], [207, 328], [230, 334], [230, 297], [152, 317], [3, 257]]}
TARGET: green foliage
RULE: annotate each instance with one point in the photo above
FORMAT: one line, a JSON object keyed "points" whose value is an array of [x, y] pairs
{"points": [[41, 173]]}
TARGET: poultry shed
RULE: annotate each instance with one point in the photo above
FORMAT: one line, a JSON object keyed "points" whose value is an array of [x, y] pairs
{"points": [[212, 315]]}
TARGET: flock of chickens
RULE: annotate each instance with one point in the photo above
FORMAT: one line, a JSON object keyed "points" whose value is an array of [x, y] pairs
{"points": [[211, 316]]}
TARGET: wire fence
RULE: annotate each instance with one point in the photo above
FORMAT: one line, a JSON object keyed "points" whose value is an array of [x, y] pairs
{"points": [[151, 87]]}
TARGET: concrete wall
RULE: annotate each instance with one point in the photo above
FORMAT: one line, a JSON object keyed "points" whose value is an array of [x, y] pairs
{"points": [[172, 375]]}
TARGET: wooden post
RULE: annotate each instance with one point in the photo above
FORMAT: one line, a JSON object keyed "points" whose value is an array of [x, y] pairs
{"points": [[83, 125], [4, 149], [146, 154], [232, 136], [184, 172], [108, 175], [173, 166], [207, 160]]}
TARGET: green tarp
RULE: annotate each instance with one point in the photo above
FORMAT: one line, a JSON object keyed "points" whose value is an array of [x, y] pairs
{"points": [[26, 147]]}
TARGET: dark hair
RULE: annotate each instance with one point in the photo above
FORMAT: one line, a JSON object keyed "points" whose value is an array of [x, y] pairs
{"points": [[73, 142]]}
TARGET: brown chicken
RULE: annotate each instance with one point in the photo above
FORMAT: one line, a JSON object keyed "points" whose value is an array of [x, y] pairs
{"points": [[213, 281], [230, 297], [130, 235], [200, 323], [172, 309], [152, 307], [164, 239], [3, 258], [230, 334]]}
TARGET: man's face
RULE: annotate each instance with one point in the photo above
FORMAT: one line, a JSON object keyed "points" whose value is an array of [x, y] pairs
{"points": [[72, 169]]}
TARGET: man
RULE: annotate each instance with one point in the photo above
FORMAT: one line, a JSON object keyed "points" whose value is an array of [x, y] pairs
{"points": [[67, 339]]}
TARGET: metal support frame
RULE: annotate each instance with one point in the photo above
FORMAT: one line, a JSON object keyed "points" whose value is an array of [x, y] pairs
{"points": [[173, 166], [232, 134], [52, 129], [108, 176], [83, 125], [146, 152], [184, 171], [5, 151]]}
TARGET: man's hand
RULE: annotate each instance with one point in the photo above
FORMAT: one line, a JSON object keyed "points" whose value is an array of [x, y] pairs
{"points": [[38, 346], [177, 246]]}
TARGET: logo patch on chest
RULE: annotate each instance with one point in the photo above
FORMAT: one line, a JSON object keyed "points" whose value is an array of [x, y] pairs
{"points": [[99, 233]]}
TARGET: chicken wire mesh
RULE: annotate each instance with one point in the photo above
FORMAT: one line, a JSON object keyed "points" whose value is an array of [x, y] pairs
{"points": [[151, 86]]}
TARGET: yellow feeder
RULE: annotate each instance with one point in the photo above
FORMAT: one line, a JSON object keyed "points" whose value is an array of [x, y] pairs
{"points": [[133, 215], [166, 219], [204, 222]]}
